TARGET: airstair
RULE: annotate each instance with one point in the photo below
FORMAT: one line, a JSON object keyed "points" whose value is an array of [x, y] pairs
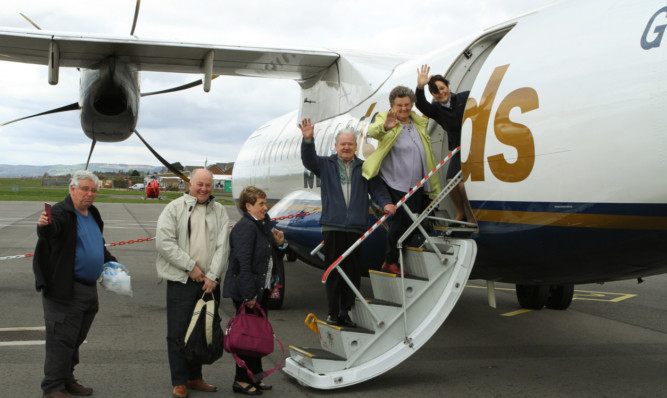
{"points": [[404, 313]]}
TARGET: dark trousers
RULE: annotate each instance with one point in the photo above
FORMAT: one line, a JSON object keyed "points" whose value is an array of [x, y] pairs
{"points": [[339, 295], [254, 363], [400, 222], [181, 301], [67, 325]]}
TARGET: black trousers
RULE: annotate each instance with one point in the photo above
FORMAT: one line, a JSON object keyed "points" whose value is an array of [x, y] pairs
{"points": [[339, 295], [400, 222], [67, 325], [181, 301], [253, 363]]}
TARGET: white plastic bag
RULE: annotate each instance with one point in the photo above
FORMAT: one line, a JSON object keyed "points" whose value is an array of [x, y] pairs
{"points": [[115, 278]]}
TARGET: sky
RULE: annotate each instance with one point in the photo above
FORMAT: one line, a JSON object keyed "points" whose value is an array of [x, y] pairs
{"points": [[193, 127]]}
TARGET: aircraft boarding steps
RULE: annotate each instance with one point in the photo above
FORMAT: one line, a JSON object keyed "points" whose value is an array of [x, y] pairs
{"points": [[403, 315], [351, 355]]}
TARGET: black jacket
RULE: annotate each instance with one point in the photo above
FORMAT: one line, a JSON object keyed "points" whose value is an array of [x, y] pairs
{"points": [[450, 119], [251, 247], [53, 263]]}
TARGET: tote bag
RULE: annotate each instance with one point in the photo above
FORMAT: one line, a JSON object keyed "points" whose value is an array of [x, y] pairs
{"points": [[204, 339]]}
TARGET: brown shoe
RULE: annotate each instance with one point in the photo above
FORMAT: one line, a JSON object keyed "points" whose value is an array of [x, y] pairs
{"points": [[58, 394], [201, 385], [75, 388], [180, 392]]}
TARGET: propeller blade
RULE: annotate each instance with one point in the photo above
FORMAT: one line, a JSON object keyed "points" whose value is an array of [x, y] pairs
{"points": [[161, 159], [31, 23], [92, 146], [70, 107], [179, 88], [136, 15]]}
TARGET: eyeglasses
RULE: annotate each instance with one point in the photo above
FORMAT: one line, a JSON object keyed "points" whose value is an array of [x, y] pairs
{"points": [[88, 189]]}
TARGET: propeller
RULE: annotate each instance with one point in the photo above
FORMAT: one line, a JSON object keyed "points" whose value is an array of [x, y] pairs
{"points": [[92, 146], [66, 108], [136, 15], [29, 20], [161, 159], [179, 88], [75, 106]]}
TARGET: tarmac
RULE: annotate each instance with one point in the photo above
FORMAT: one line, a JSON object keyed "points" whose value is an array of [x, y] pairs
{"points": [[611, 342]]}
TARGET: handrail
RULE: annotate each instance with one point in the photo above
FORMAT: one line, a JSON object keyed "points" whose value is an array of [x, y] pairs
{"points": [[371, 230]]}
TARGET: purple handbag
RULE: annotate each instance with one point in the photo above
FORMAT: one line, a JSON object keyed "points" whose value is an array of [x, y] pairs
{"points": [[249, 334]]}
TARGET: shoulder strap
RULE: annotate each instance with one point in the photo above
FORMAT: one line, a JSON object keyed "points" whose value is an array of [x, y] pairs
{"points": [[255, 377], [210, 314]]}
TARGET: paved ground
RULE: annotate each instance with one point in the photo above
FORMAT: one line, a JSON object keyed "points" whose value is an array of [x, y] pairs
{"points": [[612, 342]]}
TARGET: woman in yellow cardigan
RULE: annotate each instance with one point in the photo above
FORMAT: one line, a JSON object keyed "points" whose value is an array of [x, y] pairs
{"points": [[403, 157]]}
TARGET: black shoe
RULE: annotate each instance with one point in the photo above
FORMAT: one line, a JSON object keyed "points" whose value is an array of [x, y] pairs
{"points": [[332, 320], [262, 386], [345, 320], [246, 390]]}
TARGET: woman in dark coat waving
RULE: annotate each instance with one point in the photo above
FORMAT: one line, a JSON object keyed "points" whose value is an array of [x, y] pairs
{"points": [[248, 278]]}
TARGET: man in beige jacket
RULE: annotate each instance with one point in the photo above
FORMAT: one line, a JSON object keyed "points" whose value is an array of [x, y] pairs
{"points": [[193, 251]]}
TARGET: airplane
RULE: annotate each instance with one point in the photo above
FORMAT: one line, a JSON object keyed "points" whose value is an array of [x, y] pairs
{"points": [[533, 221], [558, 196], [560, 199]]}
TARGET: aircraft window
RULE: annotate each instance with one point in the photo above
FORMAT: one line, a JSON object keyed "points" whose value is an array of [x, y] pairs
{"points": [[373, 118]]}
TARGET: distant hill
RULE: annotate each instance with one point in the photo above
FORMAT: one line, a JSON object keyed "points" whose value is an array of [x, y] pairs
{"points": [[9, 170]]}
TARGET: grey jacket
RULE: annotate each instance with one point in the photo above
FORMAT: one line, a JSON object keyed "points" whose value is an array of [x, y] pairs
{"points": [[173, 240]]}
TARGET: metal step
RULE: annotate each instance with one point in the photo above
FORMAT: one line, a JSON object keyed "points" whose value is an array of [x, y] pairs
{"points": [[342, 341], [384, 309], [388, 286], [426, 264], [316, 360]]}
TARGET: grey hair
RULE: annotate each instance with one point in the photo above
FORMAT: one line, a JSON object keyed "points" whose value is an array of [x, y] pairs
{"points": [[83, 175], [347, 131], [401, 91]]}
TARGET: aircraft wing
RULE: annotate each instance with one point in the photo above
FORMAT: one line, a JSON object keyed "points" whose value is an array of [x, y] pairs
{"points": [[84, 51]]}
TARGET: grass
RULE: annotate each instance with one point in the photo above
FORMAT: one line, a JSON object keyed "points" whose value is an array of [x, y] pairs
{"points": [[15, 189]]}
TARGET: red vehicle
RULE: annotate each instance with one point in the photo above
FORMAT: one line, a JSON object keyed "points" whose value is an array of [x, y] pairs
{"points": [[153, 190]]}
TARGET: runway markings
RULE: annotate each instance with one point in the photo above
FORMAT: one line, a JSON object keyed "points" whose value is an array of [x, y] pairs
{"points": [[586, 295], [517, 312], [22, 336], [601, 296]]}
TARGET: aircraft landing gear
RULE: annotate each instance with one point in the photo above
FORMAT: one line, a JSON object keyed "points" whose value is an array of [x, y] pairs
{"points": [[534, 297]]}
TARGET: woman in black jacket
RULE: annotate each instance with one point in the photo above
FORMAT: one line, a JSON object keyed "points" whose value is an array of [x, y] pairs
{"points": [[248, 277]]}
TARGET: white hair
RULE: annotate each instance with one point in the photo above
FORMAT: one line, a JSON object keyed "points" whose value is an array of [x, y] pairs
{"points": [[83, 175]]}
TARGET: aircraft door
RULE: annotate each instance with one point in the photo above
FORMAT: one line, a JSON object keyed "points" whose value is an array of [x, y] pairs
{"points": [[461, 76]]}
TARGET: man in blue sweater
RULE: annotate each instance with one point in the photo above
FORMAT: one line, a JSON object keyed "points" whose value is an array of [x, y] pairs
{"points": [[69, 258], [345, 205]]}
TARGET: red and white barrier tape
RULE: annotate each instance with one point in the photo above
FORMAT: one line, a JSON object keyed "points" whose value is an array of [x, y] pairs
{"points": [[121, 243], [386, 215]]}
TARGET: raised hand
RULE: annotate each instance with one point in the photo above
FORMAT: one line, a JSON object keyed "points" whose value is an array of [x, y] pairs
{"points": [[391, 121], [307, 129], [423, 76]]}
